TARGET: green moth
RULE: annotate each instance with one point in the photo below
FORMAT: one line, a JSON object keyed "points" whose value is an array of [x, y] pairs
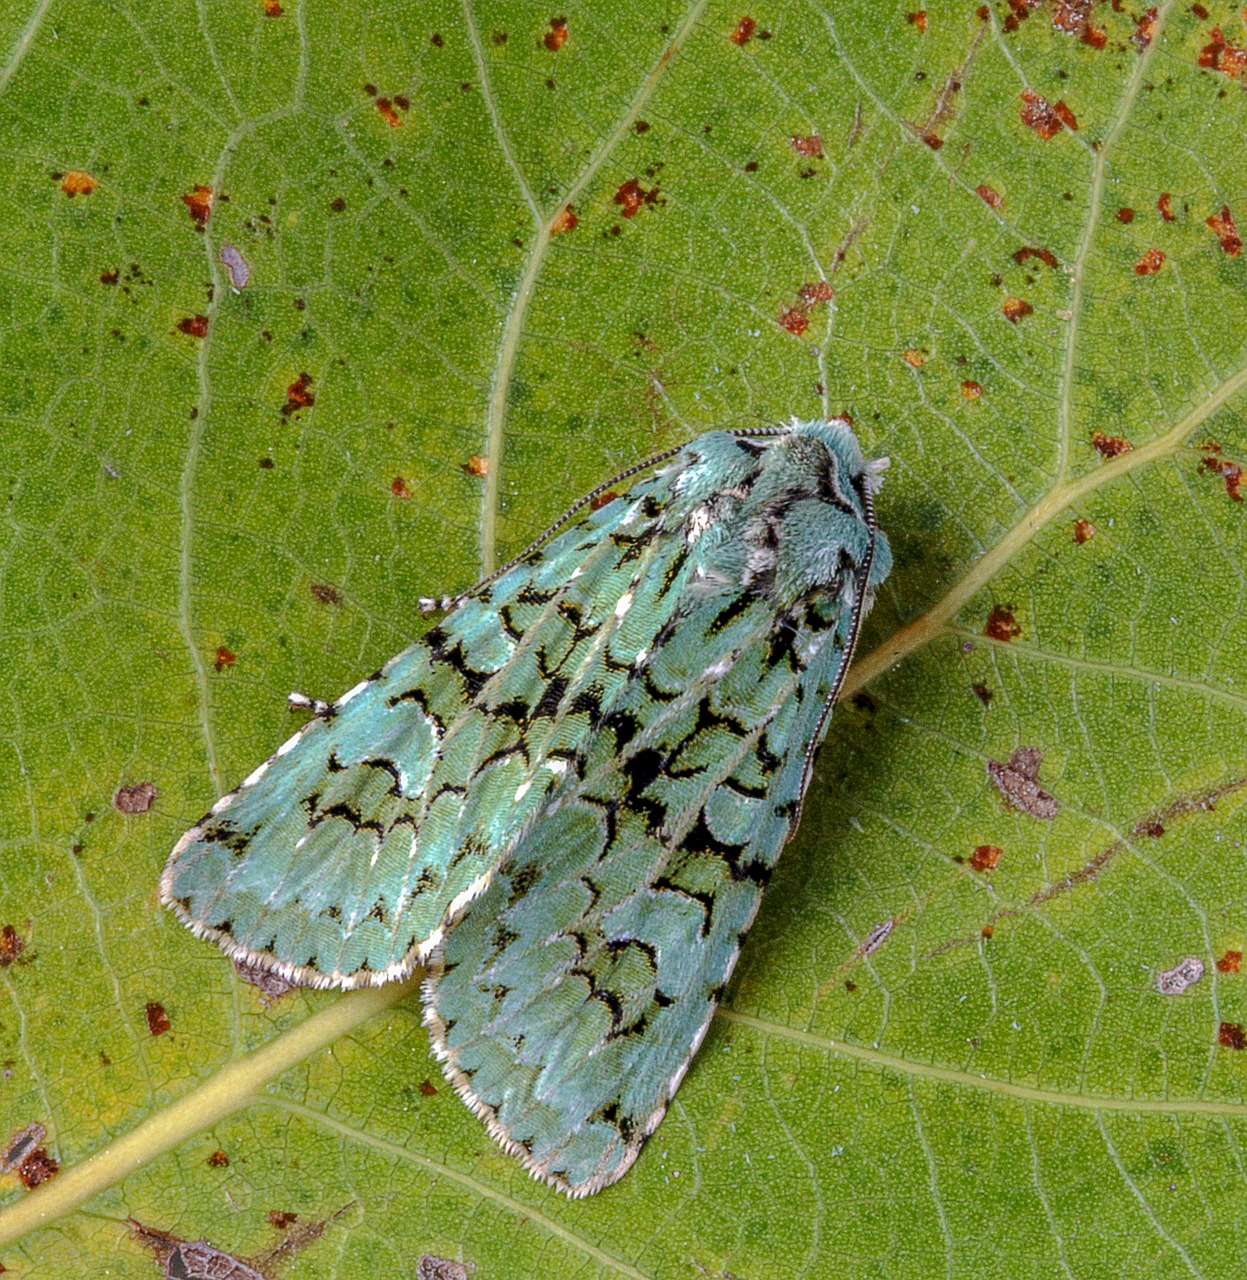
{"points": [[567, 798]]}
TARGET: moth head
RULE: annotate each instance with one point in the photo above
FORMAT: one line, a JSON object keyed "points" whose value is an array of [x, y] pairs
{"points": [[802, 523]]}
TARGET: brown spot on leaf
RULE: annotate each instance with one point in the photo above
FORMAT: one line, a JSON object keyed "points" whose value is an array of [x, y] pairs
{"points": [[77, 183], [1165, 207], [918, 19], [983, 693], [556, 37], [914, 358], [272, 8], [282, 1218], [990, 196], [428, 1089], [1223, 224], [818, 291], [191, 1259], [1016, 309], [597, 503], [988, 931], [12, 944], [219, 1160], [1229, 471], [110, 277], [1110, 446], [298, 395], [194, 326], [476, 466], [1218, 55], [1045, 119], [1093, 36], [1231, 1035], [338, 205], [972, 390], [224, 658], [1002, 625], [136, 799], [267, 464], [744, 31], [794, 319], [1072, 15], [388, 114], [631, 196], [199, 202], [1231, 962], [564, 220], [864, 702], [157, 1019], [1084, 531], [323, 593], [1046, 256], [1145, 29], [37, 1168], [1125, 215], [986, 857], [808, 145], [1018, 783], [399, 488]]}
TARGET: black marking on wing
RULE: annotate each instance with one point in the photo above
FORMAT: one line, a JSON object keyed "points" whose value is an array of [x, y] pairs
{"points": [[349, 815], [703, 899], [552, 695]]}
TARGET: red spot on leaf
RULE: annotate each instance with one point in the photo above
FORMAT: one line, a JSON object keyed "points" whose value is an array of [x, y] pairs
{"points": [[1144, 29], [1150, 263], [1046, 119], [157, 1019], [199, 202], [1231, 962], [990, 196], [631, 196], [1223, 224], [934, 141], [565, 220], [983, 693], [810, 145], [428, 1089], [972, 390], [986, 857], [1084, 531], [556, 37], [194, 326], [476, 466], [1046, 256], [219, 1160], [1071, 15], [282, 1218], [602, 499], [272, 8], [77, 183], [391, 117], [136, 799], [12, 944], [224, 658], [298, 395], [1220, 56], [1231, 1035], [1002, 625], [37, 1168], [918, 19], [1165, 206], [1095, 37], [1016, 309], [744, 31], [988, 931], [1230, 472], [399, 488], [794, 319], [1125, 215], [819, 291], [1110, 446]]}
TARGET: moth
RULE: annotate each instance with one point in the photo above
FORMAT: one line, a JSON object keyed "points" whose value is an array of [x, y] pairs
{"points": [[566, 799]]}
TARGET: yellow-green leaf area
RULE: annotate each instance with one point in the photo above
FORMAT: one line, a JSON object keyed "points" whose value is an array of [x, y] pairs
{"points": [[490, 260]]}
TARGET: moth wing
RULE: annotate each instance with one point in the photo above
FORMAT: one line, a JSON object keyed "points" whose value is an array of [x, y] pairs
{"points": [[339, 860], [567, 1003]]}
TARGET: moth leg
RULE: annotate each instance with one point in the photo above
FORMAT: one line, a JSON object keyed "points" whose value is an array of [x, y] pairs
{"points": [[301, 702]]}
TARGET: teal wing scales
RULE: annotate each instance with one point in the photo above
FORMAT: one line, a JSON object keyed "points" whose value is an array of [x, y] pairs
{"points": [[340, 859], [567, 1003]]}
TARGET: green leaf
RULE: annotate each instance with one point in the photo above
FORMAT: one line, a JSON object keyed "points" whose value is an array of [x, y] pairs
{"points": [[923, 1068]]}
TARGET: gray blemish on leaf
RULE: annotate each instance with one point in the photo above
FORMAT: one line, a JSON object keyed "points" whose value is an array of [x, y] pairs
{"points": [[1018, 782], [1173, 982], [434, 1268], [272, 985], [136, 799], [876, 938], [20, 1145], [236, 265]]}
